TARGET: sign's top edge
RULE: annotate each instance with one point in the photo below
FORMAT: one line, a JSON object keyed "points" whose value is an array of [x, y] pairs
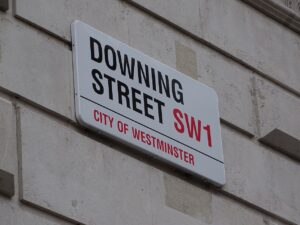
{"points": [[80, 23], [194, 154]]}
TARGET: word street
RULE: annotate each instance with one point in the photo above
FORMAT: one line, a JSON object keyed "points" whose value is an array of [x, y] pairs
{"points": [[151, 107]]}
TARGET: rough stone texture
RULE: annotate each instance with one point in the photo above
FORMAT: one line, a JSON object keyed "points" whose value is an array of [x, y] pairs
{"points": [[64, 172], [232, 82], [188, 199], [179, 12], [172, 204], [14, 213], [291, 4], [56, 16], [186, 60], [36, 67], [151, 37], [278, 110], [262, 177], [161, 46], [283, 142], [240, 30], [286, 12], [234, 86], [213, 208], [79, 178], [8, 146], [229, 212]]}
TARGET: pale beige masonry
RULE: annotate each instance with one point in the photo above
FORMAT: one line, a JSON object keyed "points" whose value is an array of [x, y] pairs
{"points": [[240, 30], [56, 16], [80, 178], [151, 37], [36, 67], [278, 112], [186, 60], [177, 201], [8, 142], [188, 199], [13, 212], [286, 12], [65, 174], [235, 84], [261, 176], [8, 148], [230, 25], [232, 82], [239, 213], [277, 109]]}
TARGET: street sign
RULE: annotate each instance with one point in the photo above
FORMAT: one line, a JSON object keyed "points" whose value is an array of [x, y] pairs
{"points": [[134, 98]]}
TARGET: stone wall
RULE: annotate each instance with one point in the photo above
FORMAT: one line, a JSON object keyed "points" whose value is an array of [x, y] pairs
{"points": [[65, 174]]}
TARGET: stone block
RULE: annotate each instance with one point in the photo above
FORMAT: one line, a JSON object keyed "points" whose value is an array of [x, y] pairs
{"points": [[152, 37], [76, 177], [238, 29], [176, 201], [286, 12], [12, 212], [179, 201], [232, 82], [185, 14], [234, 86], [162, 46], [56, 16], [36, 67], [8, 142], [79, 178], [262, 177], [186, 60], [279, 118], [283, 142], [229, 212], [188, 199], [8, 148]]}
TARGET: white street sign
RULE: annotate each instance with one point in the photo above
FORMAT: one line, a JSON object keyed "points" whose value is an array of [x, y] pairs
{"points": [[132, 97]]}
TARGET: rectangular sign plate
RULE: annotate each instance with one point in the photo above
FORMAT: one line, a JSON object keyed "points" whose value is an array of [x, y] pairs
{"points": [[132, 97]]}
